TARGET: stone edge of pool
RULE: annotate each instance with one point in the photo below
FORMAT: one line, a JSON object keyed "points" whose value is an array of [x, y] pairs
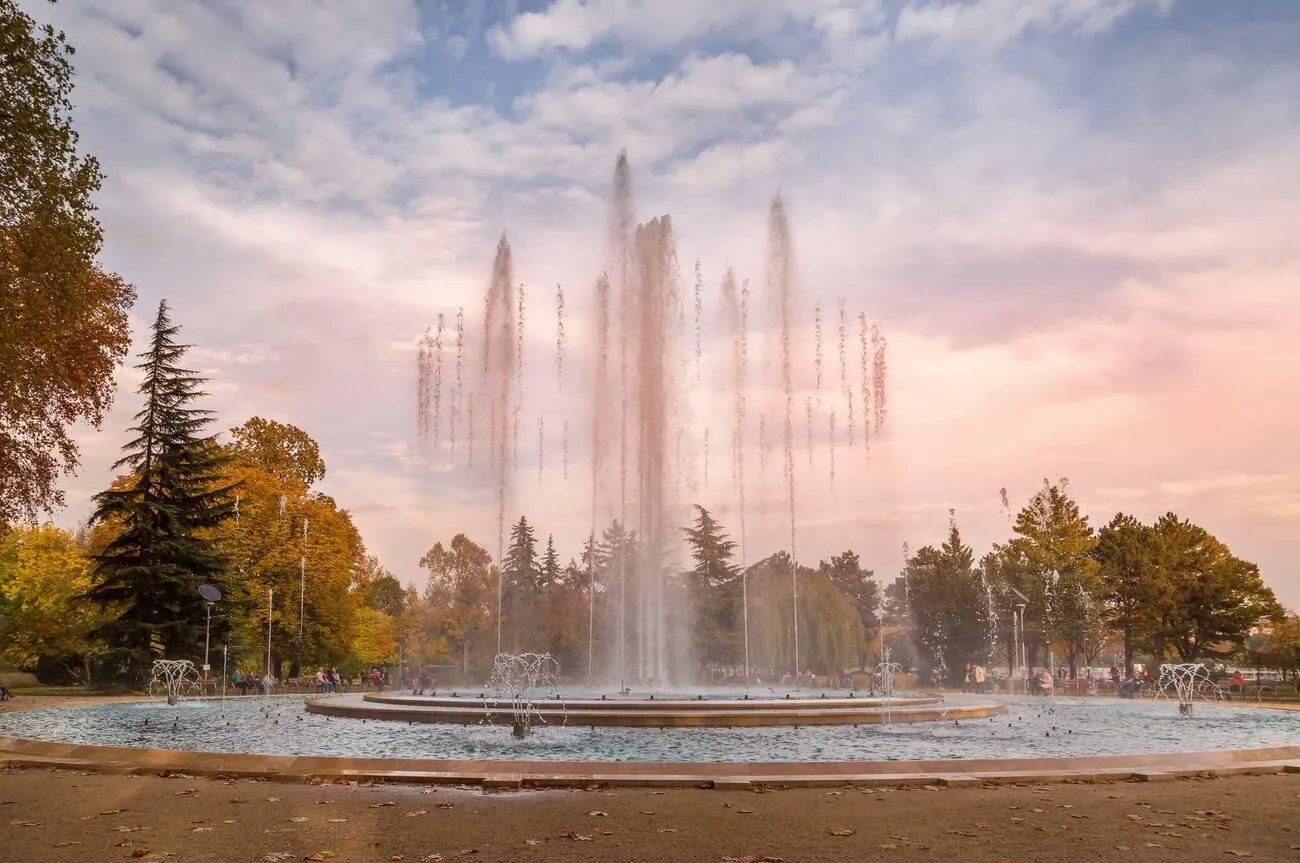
{"points": [[17, 752], [657, 714]]}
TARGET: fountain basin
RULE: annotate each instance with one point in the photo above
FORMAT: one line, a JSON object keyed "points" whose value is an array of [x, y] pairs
{"points": [[657, 713]]}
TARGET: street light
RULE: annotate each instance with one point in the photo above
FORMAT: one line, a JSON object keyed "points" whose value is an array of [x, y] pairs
{"points": [[210, 595]]}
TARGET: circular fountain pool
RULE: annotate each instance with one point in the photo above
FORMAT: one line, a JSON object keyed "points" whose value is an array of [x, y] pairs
{"points": [[1030, 728]]}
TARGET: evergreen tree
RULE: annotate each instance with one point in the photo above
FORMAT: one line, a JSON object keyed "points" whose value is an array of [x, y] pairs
{"points": [[175, 493], [520, 565], [708, 586], [520, 587], [949, 615], [551, 572]]}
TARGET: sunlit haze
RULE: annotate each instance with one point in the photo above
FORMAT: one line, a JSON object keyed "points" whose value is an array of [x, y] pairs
{"points": [[1074, 220]]}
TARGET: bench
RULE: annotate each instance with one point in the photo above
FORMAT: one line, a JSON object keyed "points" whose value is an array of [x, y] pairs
{"points": [[1265, 691]]}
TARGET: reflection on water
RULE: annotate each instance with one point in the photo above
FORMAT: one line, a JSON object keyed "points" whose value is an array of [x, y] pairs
{"points": [[1032, 727]]}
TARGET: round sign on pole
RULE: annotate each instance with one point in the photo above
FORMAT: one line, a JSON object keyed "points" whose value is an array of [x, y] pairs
{"points": [[208, 592]]}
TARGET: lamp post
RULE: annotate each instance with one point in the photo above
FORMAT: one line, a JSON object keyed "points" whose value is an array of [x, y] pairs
{"points": [[210, 597]]}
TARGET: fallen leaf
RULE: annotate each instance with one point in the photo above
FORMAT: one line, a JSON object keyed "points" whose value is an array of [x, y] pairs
{"points": [[1017, 821], [382, 805], [122, 828], [1037, 810], [230, 821], [1239, 853], [745, 811], [299, 819], [65, 844], [1122, 848], [336, 821], [320, 855], [397, 857], [271, 800], [25, 823], [140, 852], [531, 842], [842, 831], [647, 812], [667, 829], [277, 856], [596, 813], [187, 791], [445, 805], [201, 830], [324, 802], [415, 813], [576, 837]]}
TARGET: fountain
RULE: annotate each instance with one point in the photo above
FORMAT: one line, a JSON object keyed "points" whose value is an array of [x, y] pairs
{"points": [[647, 448], [1187, 681], [515, 677], [176, 677]]}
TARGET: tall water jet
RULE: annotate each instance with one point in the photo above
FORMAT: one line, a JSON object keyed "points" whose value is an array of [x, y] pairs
{"points": [[559, 374], [780, 287], [500, 385], [817, 352], [706, 456], [656, 296], [541, 446], [866, 379], [737, 309], [458, 391], [830, 433], [845, 388], [808, 411], [621, 243], [879, 373], [600, 422], [422, 387], [699, 321], [437, 378]]}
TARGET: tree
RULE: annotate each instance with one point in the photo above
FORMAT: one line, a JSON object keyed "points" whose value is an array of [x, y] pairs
{"points": [[160, 516], [1128, 580], [285, 451], [950, 613], [300, 545], [1211, 598], [859, 587], [1050, 560], [521, 586], [63, 322], [710, 588], [551, 572], [462, 601], [42, 572]]}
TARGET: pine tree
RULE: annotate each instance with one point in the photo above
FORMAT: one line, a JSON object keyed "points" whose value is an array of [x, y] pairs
{"points": [[520, 565], [551, 572], [708, 587], [175, 492]]}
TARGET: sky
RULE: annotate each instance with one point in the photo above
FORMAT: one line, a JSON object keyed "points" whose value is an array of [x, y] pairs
{"points": [[1073, 220]]}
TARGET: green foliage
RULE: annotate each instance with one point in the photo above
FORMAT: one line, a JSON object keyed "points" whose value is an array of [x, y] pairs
{"points": [[63, 322], [285, 451], [948, 608], [42, 572], [177, 492], [1208, 600], [713, 590]]}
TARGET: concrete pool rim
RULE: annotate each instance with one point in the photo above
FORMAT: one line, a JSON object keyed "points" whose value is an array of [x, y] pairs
{"points": [[17, 752]]}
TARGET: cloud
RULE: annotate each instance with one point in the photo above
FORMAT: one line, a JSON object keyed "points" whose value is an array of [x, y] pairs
{"points": [[1085, 264]]}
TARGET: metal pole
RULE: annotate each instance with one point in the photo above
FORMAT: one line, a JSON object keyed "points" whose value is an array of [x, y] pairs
{"points": [[207, 640], [270, 610], [225, 666]]}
